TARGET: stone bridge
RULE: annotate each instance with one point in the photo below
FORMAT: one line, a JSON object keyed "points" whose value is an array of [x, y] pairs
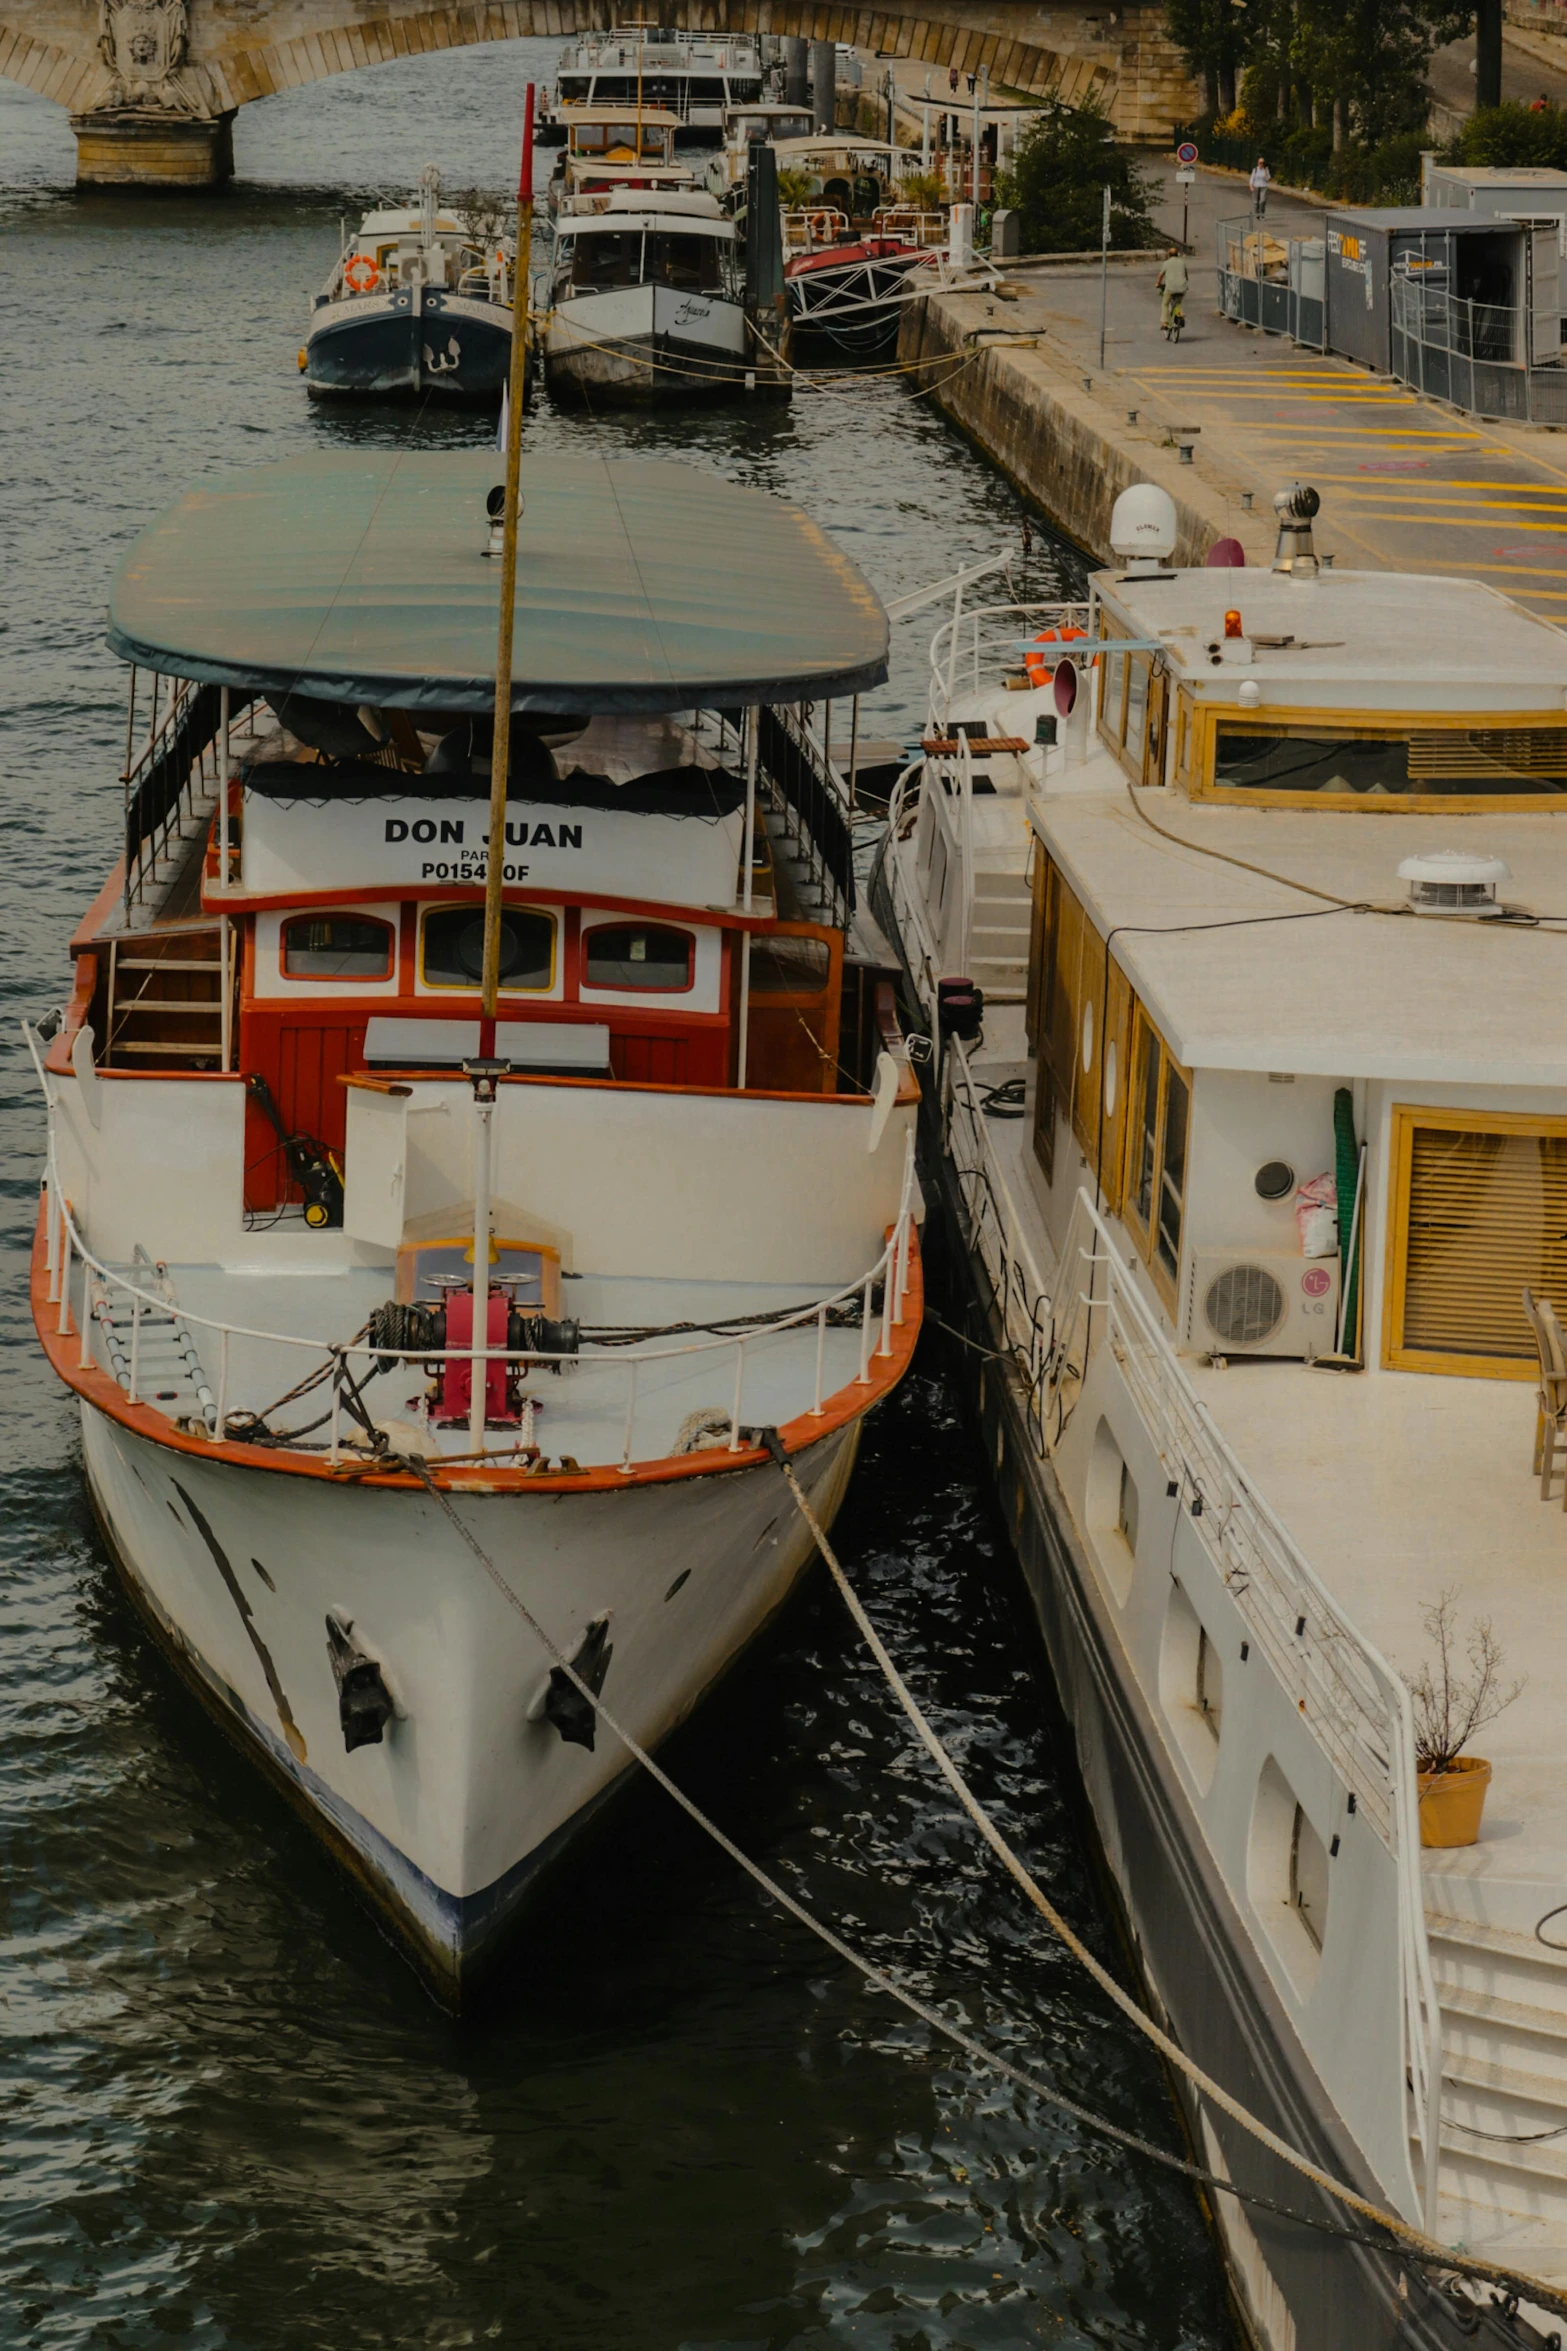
{"points": [[153, 85]]}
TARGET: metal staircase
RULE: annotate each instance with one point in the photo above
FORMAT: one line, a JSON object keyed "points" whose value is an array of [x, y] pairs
{"points": [[150, 1350]]}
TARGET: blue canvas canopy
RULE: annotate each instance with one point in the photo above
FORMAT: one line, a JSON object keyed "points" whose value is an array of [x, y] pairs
{"points": [[363, 577]]}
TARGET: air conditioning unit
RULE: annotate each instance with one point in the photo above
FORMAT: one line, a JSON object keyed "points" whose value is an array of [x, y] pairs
{"points": [[1260, 1302]]}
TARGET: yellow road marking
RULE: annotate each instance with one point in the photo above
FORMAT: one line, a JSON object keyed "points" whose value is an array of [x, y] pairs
{"points": [[1437, 482], [1455, 522]]}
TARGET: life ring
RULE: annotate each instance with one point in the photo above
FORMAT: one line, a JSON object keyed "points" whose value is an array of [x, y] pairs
{"points": [[361, 275], [1041, 669], [822, 225]]}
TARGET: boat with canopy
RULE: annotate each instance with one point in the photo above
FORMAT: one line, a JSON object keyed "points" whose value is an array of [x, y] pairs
{"points": [[409, 1196]]}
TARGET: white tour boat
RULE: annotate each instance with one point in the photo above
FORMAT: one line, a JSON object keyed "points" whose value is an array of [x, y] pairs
{"points": [[418, 305], [350, 1280], [1233, 901], [697, 76]]}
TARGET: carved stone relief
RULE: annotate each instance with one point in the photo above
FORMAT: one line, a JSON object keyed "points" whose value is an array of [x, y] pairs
{"points": [[144, 44]]}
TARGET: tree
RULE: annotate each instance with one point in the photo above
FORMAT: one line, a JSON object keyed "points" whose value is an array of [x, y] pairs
{"points": [[1360, 63], [1215, 38], [1064, 163]]}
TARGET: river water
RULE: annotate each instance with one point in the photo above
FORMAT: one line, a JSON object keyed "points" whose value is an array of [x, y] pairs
{"points": [[229, 2116]]}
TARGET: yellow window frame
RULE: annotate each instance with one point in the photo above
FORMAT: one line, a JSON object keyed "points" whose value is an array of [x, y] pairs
{"points": [[1145, 1231], [1203, 747], [1397, 1354]]}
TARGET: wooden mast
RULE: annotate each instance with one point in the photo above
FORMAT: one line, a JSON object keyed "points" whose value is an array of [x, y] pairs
{"points": [[500, 756]]}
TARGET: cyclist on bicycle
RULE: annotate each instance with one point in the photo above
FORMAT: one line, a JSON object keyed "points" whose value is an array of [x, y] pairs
{"points": [[1173, 282]]}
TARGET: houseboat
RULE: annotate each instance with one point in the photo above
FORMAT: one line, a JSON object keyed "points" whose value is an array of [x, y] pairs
{"points": [[390, 1323], [697, 76], [418, 306], [1232, 900], [746, 127], [857, 248]]}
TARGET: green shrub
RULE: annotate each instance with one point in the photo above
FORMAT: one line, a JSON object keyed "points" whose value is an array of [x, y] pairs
{"points": [[1513, 134], [1064, 162]]}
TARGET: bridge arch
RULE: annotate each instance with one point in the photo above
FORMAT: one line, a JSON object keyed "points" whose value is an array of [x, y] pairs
{"points": [[153, 85]]}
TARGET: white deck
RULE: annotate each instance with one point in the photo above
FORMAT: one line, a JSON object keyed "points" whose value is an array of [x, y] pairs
{"points": [[1397, 1485]]}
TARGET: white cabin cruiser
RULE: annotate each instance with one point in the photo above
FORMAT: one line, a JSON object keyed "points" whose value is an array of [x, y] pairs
{"points": [[1232, 901], [647, 301], [347, 1277], [418, 305]]}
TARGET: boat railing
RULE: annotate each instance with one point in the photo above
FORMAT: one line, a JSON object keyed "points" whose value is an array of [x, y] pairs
{"points": [[171, 779], [910, 224], [1347, 1696], [811, 228], [85, 1292], [1019, 1291], [921, 945], [797, 762], [977, 647]]}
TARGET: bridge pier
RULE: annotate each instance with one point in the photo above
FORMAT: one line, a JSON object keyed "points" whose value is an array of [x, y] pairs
{"points": [[146, 147]]}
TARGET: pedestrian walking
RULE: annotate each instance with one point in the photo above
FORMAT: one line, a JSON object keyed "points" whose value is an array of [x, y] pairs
{"points": [[1261, 180], [952, 77]]}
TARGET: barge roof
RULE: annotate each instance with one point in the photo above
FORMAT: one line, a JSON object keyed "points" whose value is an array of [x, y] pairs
{"points": [[1241, 971], [363, 577]]}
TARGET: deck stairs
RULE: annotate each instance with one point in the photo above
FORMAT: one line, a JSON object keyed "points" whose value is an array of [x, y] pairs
{"points": [[166, 999], [158, 1346], [999, 933], [1503, 1998]]}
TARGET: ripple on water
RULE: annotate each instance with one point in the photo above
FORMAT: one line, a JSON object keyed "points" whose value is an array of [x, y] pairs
{"points": [[228, 2116]]}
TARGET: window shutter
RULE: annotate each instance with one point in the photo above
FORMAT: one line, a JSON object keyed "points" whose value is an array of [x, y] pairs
{"points": [[1483, 1213]]}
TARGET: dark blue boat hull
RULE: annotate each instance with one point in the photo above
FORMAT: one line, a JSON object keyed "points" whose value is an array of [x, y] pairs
{"points": [[416, 344]]}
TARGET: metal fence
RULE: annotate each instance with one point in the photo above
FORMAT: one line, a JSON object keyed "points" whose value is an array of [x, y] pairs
{"points": [[1272, 283], [1472, 354]]}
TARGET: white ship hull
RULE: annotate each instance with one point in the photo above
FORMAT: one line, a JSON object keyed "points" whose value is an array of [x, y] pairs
{"points": [[645, 343], [448, 1820]]}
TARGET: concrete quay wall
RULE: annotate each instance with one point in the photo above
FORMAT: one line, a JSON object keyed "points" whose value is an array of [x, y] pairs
{"points": [[1065, 447]]}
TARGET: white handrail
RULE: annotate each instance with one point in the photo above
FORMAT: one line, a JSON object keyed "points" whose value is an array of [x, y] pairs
{"points": [[984, 639], [1349, 1698]]}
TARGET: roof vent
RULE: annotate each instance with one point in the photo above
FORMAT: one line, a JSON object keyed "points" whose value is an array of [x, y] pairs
{"points": [[1454, 881], [1295, 552]]}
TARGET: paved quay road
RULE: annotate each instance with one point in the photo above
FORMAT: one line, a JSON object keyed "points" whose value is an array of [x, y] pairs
{"points": [[1407, 483]]}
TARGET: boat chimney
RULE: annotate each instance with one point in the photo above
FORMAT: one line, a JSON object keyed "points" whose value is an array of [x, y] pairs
{"points": [[1295, 553]]}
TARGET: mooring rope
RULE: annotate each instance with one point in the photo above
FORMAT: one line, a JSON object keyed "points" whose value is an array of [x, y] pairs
{"points": [[1513, 2282], [1513, 2285]]}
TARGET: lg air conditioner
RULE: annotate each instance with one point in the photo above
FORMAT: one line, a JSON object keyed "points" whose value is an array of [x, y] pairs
{"points": [[1260, 1302]]}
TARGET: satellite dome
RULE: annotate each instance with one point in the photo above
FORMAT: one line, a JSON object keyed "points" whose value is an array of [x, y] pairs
{"points": [[1143, 526]]}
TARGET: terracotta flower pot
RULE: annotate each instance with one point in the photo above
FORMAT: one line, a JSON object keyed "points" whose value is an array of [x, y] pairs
{"points": [[1452, 1801]]}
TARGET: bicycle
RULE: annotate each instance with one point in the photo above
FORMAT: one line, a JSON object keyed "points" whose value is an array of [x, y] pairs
{"points": [[1176, 320]]}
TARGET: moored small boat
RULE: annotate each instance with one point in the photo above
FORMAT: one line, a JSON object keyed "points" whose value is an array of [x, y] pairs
{"points": [[856, 246], [418, 306], [647, 302]]}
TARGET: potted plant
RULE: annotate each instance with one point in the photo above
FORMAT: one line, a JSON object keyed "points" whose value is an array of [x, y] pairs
{"points": [[1453, 1696]]}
